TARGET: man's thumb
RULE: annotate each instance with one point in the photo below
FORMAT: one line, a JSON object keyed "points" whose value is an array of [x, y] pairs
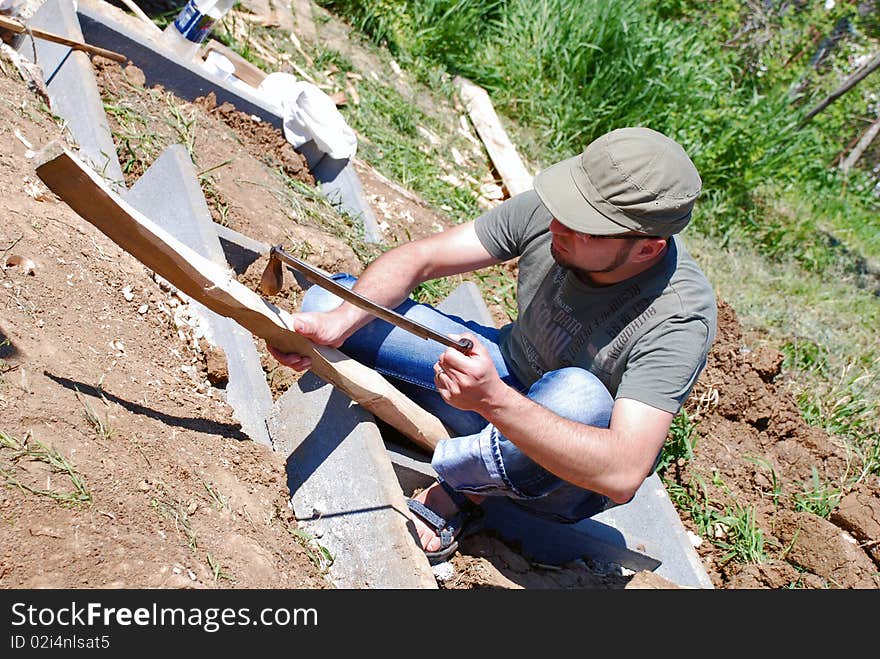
{"points": [[302, 326]]}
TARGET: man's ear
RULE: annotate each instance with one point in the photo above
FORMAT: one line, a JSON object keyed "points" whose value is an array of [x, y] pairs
{"points": [[649, 248]]}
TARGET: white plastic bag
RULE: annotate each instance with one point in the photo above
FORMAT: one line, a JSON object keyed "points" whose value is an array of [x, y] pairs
{"points": [[309, 114]]}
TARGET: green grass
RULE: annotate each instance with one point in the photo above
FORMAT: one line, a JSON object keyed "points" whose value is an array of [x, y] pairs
{"points": [[680, 442], [13, 451], [174, 511], [817, 497], [732, 528], [101, 426], [775, 485], [310, 207], [217, 570], [218, 500], [137, 146], [319, 555], [741, 538], [393, 130]]}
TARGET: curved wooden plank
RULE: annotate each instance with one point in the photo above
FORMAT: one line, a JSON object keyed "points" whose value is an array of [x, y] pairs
{"points": [[501, 150], [215, 287]]}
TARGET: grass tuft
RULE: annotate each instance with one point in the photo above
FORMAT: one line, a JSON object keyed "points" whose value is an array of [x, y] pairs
{"points": [[319, 555], [15, 451]]}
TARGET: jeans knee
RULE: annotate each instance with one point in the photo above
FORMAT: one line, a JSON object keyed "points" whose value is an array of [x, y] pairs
{"points": [[320, 299], [575, 394]]}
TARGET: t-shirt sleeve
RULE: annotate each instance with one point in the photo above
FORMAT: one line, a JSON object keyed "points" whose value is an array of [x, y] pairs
{"points": [[507, 229], [663, 367]]}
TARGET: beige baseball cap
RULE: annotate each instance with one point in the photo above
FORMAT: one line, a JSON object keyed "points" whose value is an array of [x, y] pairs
{"points": [[631, 179]]}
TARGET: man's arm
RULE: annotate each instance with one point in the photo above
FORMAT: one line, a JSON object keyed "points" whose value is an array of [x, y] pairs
{"points": [[389, 280], [613, 461]]}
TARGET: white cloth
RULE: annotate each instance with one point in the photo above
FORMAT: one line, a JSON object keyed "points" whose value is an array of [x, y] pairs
{"points": [[309, 114]]}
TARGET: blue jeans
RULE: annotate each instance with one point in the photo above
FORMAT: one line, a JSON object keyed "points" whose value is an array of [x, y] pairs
{"points": [[479, 459]]}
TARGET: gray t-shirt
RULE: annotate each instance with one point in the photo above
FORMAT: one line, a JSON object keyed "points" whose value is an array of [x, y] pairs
{"points": [[646, 338]]}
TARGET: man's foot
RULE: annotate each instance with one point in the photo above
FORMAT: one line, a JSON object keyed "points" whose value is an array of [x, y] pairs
{"points": [[440, 514]]}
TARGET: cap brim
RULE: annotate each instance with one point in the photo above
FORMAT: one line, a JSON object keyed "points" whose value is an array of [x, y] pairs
{"points": [[558, 191]]}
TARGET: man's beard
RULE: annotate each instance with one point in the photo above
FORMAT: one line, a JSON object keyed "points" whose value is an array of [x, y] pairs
{"points": [[568, 264]]}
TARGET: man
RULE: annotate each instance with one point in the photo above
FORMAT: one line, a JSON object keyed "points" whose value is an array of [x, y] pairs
{"points": [[565, 410]]}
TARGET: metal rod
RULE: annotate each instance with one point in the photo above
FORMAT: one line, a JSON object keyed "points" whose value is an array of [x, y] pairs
{"points": [[317, 277]]}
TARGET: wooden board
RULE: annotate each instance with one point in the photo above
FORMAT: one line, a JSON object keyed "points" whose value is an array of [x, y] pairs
{"points": [[215, 287], [501, 150], [244, 70], [15, 27]]}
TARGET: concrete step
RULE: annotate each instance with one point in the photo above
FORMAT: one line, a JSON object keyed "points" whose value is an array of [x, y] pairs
{"points": [[169, 193], [73, 91], [344, 491]]}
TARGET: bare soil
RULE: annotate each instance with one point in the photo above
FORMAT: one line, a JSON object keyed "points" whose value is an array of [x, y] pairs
{"points": [[159, 488]]}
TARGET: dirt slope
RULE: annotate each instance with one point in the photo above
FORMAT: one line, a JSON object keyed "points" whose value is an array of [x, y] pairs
{"points": [[120, 466], [158, 487]]}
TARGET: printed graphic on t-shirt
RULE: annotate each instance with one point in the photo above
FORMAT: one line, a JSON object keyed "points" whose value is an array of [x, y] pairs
{"points": [[558, 334]]}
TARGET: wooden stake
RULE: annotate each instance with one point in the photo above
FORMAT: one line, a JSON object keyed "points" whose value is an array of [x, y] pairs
{"points": [[137, 11], [18, 28], [864, 142], [244, 70], [215, 287], [848, 84]]}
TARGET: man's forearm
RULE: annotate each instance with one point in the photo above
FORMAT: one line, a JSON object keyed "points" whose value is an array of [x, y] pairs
{"points": [[392, 277], [388, 281], [596, 459]]}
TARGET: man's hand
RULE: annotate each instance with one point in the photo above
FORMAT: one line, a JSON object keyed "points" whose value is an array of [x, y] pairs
{"points": [[469, 382], [324, 328]]}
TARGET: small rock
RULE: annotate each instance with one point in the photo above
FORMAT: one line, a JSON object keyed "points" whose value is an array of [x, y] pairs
{"points": [[26, 265], [216, 367], [127, 294], [650, 581], [143, 308], [696, 540], [443, 571], [135, 75]]}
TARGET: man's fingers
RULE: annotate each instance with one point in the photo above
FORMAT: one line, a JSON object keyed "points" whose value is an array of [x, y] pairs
{"points": [[290, 359], [453, 359], [446, 385]]}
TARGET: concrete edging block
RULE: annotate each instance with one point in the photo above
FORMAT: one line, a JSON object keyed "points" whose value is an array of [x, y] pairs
{"points": [[170, 194], [73, 90], [651, 522], [108, 27], [344, 491]]}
